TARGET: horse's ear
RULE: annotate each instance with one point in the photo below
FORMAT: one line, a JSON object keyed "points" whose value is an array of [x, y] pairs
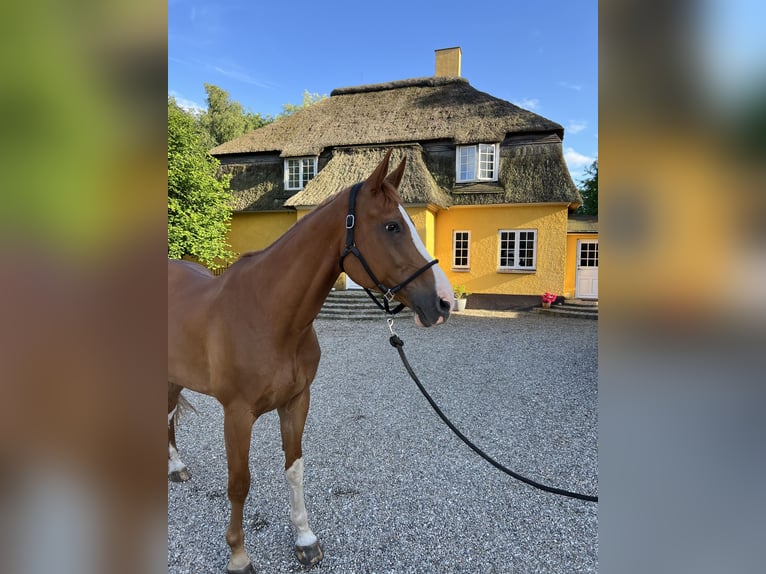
{"points": [[395, 177], [377, 177]]}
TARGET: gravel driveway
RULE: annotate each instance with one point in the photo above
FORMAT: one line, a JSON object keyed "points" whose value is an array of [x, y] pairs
{"points": [[388, 487]]}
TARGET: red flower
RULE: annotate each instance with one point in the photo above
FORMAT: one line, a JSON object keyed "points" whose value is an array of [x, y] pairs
{"points": [[548, 297]]}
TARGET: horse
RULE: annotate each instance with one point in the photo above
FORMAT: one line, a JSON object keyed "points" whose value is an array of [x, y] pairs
{"points": [[247, 336]]}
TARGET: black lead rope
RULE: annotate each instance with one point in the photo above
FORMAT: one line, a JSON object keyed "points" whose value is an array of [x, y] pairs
{"points": [[398, 344]]}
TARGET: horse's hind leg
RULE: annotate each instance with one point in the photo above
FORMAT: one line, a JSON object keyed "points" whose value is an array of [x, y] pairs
{"points": [[292, 418], [177, 471]]}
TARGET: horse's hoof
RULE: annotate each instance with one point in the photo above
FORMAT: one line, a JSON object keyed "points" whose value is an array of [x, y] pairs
{"points": [[309, 555], [180, 475], [246, 570]]}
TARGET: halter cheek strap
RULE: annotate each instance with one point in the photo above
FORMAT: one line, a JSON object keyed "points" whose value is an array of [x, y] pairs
{"points": [[351, 248]]}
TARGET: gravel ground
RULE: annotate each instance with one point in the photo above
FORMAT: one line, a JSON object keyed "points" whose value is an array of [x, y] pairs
{"points": [[389, 489]]}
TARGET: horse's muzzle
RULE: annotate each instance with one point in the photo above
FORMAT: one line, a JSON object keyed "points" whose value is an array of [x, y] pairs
{"points": [[435, 316]]}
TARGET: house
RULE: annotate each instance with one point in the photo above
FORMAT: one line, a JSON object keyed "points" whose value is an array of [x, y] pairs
{"points": [[486, 183]]}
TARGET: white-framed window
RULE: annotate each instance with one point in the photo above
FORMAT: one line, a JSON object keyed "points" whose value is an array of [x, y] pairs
{"points": [[477, 162], [518, 250], [298, 171], [461, 250], [588, 254]]}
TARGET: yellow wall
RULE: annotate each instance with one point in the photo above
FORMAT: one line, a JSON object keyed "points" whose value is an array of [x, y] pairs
{"points": [[251, 231], [550, 221], [571, 263], [425, 222]]}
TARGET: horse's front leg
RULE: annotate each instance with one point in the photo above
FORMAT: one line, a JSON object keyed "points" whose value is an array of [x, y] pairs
{"points": [[237, 427], [292, 418]]}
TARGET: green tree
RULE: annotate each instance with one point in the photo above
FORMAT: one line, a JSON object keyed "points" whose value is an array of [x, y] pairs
{"points": [[589, 191], [224, 119], [198, 201], [308, 100]]}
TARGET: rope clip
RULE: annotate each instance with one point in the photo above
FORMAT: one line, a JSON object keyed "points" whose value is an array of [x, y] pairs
{"points": [[390, 321]]}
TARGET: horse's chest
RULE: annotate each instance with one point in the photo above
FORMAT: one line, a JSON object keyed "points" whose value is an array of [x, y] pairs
{"points": [[274, 372]]}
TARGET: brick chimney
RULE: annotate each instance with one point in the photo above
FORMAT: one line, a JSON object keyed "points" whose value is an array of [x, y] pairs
{"points": [[448, 61]]}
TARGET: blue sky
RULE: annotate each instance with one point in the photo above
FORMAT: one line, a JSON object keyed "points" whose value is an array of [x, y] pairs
{"points": [[539, 54]]}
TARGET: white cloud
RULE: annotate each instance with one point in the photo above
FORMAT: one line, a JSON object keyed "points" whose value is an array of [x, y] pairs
{"points": [[575, 87], [577, 163], [576, 126], [576, 159], [236, 73], [187, 104], [528, 103]]}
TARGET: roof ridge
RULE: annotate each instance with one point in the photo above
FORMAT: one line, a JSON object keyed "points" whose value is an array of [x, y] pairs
{"points": [[426, 82]]}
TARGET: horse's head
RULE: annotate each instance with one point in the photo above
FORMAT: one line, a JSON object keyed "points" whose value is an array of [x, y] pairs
{"points": [[384, 252]]}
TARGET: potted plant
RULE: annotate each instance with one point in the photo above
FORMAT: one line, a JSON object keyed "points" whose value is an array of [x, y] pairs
{"points": [[460, 297], [547, 298]]}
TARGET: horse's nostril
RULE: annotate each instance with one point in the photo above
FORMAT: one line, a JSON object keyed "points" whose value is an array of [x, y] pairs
{"points": [[445, 305]]}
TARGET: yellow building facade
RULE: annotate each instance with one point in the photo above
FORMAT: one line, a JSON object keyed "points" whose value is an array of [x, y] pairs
{"points": [[254, 230], [553, 271], [484, 224]]}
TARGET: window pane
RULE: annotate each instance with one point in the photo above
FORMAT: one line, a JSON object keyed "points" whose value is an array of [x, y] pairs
{"points": [[486, 161], [293, 174], [467, 164], [526, 248], [460, 256], [517, 249], [507, 245], [308, 170], [589, 255]]}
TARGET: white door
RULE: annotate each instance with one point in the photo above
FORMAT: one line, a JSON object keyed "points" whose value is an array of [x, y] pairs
{"points": [[586, 276]]}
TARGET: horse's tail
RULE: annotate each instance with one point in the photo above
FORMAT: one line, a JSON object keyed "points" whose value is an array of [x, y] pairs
{"points": [[183, 407]]}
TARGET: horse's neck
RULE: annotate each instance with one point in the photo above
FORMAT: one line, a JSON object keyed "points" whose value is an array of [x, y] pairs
{"points": [[296, 272]]}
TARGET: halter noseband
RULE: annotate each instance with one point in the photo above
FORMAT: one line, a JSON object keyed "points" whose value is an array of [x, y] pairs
{"points": [[388, 294]]}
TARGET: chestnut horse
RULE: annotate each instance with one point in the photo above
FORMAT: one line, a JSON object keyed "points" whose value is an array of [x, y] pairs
{"points": [[247, 337]]}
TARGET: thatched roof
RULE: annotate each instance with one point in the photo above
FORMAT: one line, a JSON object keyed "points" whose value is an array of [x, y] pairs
{"points": [[582, 224], [530, 173], [416, 110], [256, 186], [350, 165]]}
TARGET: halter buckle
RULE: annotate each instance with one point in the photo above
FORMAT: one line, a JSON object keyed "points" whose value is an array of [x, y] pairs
{"points": [[389, 295], [350, 220]]}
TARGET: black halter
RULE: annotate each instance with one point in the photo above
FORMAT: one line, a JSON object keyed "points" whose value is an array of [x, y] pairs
{"points": [[388, 294]]}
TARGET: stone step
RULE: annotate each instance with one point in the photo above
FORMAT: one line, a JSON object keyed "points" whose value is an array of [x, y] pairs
{"points": [[573, 308], [353, 304], [585, 303]]}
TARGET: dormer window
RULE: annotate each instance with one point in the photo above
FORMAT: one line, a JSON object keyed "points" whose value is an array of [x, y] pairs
{"points": [[299, 171], [477, 162]]}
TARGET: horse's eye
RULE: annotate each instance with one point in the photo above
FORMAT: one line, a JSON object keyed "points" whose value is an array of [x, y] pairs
{"points": [[393, 227]]}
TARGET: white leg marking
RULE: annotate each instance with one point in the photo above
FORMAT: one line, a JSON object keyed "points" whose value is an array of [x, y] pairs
{"points": [[443, 286], [171, 414], [174, 460], [298, 515]]}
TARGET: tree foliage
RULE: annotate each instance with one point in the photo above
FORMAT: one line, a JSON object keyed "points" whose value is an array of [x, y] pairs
{"points": [[198, 200], [589, 191], [224, 119], [308, 100]]}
